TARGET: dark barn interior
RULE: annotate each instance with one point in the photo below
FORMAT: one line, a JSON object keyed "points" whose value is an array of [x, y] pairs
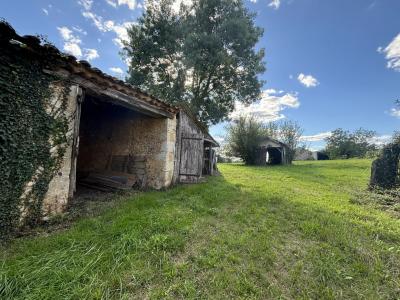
{"points": [[274, 156], [106, 157], [209, 158]]}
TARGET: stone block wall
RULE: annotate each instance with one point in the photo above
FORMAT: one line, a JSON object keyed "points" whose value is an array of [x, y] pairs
{"points": [[57, 195], [145, 145], [155, 139]]}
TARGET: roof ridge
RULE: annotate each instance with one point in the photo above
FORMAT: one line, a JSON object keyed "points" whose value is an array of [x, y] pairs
{"points": [[8, 34]]}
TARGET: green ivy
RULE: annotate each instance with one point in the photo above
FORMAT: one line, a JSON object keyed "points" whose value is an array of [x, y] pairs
{"points": [[30, 125]]}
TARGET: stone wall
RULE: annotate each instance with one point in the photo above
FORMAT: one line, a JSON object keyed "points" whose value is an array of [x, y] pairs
{"points": [[155, 139], [143, 144], [57, 195]]}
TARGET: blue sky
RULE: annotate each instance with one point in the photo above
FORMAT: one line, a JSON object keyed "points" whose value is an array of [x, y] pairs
{"points": [[330, 63]]}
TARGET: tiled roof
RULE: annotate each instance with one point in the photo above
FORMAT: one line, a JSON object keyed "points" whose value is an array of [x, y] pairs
{"points": [[78, 67]]}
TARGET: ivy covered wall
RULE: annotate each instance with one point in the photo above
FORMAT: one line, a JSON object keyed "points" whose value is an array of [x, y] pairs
{"points": [[33, 134]]}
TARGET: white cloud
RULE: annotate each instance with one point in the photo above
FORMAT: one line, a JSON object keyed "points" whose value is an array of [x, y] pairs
{"points": [[116, 70], [87, 4], [91, 54], [130, 3], [121, 32], [97, 20], [110, 26], [395, 112], [176, 5], [377, 140], [80, 30], [269, 108], [392, 53], [270, 91], [72, 44], [316, 148], [380, 140], [316, 137], [73, 49], [275, 4], [68, 35], [307, 80], [45, 11], [220, 139], [113, 3]]}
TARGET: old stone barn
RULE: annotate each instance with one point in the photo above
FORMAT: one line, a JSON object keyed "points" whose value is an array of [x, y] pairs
{"points": [[74, 126]]}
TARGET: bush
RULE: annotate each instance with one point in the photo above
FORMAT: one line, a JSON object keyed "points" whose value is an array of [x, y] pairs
{"points": [[244, 137], [385, 169]]}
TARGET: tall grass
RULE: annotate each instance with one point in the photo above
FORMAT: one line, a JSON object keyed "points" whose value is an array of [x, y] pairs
{"points": [[256, 232]]}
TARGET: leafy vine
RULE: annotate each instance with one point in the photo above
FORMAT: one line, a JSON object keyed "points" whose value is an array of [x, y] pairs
{"points": [[33, 134]]}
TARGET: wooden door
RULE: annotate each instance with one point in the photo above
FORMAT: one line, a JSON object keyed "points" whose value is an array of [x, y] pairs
{"points": [[191, 162]]}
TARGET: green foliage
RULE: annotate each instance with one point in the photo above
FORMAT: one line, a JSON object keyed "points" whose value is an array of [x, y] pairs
{"points": [[204, 55], [244, 137], [290, 132], [344, 144], [272, 130], [385, 169], [30, 125]]}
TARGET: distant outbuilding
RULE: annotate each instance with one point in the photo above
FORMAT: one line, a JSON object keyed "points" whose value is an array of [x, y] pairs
{"points": [[305, 154], [272, 152], [318, 155]]}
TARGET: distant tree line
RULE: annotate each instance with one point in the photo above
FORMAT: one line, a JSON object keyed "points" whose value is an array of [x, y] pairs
{"points": [[343, 144]]}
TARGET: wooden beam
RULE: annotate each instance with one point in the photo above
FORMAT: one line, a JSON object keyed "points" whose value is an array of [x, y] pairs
{"points": [[119, 98], [136, 104]]}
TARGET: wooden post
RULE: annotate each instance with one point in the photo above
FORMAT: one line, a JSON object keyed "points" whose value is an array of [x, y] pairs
{"points": [[210, 157], [75, 142]]}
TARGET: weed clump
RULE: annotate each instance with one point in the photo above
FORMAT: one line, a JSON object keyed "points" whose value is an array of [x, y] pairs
{"points": [[384, 199]]}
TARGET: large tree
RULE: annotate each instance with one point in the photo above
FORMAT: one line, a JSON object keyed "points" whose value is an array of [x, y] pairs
{"points": [[204, 55]]}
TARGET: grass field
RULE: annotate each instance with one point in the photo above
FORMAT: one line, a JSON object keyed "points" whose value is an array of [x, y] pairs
{"points": [[253, 233]]}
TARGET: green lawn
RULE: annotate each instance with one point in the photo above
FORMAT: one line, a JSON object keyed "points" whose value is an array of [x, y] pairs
{"points": [[255, 232]]}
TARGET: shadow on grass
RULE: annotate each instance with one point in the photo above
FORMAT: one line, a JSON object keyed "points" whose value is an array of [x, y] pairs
{"points": [[212, 240]]}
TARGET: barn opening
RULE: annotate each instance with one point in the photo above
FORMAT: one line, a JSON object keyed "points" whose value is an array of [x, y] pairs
{"points": [[108, 156], [274, 156], [209, 165]]}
